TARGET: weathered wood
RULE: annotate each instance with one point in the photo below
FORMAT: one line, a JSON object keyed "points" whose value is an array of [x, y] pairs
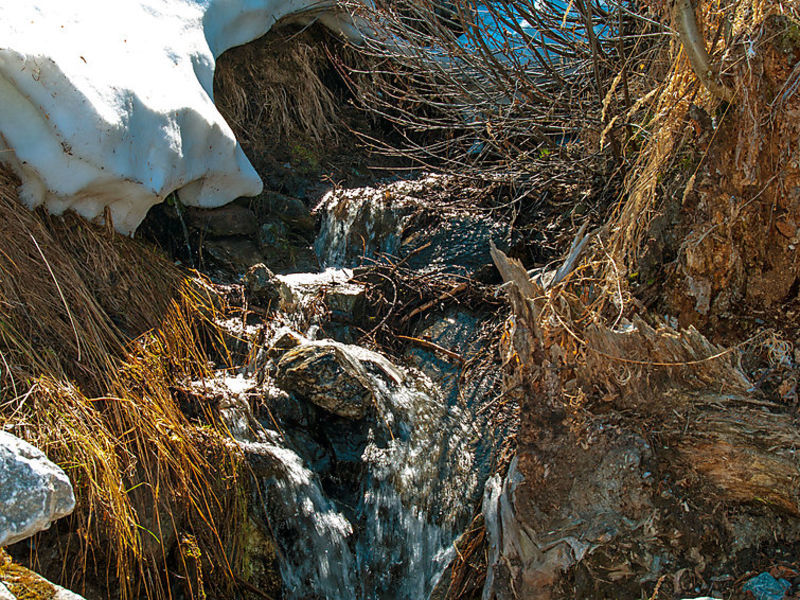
{"points": [[648, 398]]}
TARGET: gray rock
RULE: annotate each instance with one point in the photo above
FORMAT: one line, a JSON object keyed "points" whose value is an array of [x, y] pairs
{"points": [[225, 221], [5, 594], [34, 492], [346, 302], [336, 377], [65, 594], [264, 289]]}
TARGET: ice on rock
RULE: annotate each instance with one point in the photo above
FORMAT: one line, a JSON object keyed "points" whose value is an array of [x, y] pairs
{"points": [[109, 104]]}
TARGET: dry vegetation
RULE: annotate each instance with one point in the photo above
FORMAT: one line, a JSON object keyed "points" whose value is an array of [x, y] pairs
{"points": [[273, 89], [96, 334], [693, 181]]}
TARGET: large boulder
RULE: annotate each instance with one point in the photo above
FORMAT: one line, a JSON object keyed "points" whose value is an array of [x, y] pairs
{"points": [[338, 378], [328, 377], [108, 105], [34, 492]]}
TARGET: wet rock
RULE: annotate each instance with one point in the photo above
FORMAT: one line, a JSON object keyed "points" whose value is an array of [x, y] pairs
{"points": [[340, 332], [234, 255], [222, 222], [336, 377], [298, 259], [281, 250], [260, 562], [328, 377], [360, 223], [475, 387], [34, 492], [290, 210], [460, 243], [346, 302], [288, 411], [285, 339], [315, 456], [264, 289], [766, 587], [454, 330], [395, 219]]}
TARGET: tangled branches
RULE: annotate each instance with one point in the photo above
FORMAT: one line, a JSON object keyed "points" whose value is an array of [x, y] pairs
{"points": [[532, 92]]}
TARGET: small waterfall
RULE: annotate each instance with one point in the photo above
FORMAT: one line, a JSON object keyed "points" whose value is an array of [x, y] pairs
{"points": [[355, 224], [369, 508], [412, 507], [363, 222], [313, 535], [395, 538]]}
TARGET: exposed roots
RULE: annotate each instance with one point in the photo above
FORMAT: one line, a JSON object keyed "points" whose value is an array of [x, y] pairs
{"points": [[637, 439]]}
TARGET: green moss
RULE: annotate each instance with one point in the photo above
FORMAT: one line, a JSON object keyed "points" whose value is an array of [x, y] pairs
{"points": [[304, 159], [260, 561], [790, 40]]}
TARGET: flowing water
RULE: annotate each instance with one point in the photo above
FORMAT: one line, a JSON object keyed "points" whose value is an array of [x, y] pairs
{"points": [[370, 509], [391, 536]]}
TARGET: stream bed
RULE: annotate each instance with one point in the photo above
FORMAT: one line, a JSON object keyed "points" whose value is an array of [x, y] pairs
{"points": [[375, 464]]}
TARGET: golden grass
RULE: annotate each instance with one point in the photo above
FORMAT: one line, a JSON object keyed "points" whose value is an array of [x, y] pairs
{"points": [[720, 22], [273, 85], [97, 332]]}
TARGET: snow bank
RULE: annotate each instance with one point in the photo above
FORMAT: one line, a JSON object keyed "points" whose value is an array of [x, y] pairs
{"points": [[109, 103]]}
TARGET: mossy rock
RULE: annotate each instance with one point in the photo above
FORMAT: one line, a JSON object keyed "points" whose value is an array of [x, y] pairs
{"points": [[24, 584], [260, 565]]}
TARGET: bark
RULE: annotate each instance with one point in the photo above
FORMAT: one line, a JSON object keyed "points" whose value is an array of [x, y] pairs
{"points": [[641, 451]]}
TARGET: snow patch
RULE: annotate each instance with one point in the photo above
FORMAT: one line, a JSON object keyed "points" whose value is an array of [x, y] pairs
{"points": [[110, 104]]}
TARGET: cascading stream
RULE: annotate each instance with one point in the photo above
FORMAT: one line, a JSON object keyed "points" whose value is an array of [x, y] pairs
{"points": [[313, 534], [410, 505], [366, 500]]}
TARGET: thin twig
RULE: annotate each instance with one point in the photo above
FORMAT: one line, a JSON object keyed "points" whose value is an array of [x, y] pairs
{"points": [[61, 294]]}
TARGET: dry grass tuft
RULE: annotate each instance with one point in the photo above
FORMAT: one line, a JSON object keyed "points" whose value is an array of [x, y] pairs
{"points": [[274, 85], [731, 30], [97, 333]]}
